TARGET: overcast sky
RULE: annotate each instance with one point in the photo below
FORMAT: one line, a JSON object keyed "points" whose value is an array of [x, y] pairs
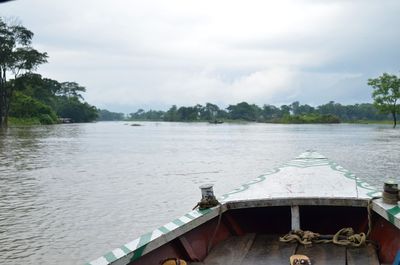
{"points": [[155, 53]]}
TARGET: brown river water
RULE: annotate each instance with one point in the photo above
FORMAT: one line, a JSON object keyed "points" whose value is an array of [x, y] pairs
{"points": [[71, 193]]}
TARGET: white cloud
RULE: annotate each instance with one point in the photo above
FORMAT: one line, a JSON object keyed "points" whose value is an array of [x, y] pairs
{"points": [[156, 52]]}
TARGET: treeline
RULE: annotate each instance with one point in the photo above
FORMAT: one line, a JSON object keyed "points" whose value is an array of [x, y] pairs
{"points": [[294, 113], [43, 100], [28, 97], [106, 115]]}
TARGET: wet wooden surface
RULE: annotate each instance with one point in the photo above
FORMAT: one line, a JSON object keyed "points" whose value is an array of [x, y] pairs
{"points": [[362, 256], [266, 249], [324, 254], [231, 251]]}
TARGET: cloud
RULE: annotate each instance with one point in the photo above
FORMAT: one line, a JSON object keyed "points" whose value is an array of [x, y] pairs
{"points": [[156, 53]]}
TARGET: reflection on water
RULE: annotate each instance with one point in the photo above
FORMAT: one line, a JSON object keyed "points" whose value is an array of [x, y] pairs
{"points": [[70, 193]]}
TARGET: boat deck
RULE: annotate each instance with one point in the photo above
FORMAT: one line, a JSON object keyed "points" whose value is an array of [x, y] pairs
{"points": [[252, 249]]}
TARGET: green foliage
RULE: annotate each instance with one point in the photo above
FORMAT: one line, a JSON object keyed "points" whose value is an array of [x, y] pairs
{"points": [[46, 119], [105, 115], [386, 94], [209, 112], [311, 118], [17, 56], [23, 106], [32, 90], [244, 111], [189, 113], [36, 98], [42, 89], [72, 107], [151, 115], [23, 121], [294, 113], [171, 114], [70, 90]]}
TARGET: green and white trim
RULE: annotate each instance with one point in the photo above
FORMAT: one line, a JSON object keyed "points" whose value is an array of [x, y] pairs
{"points": [[150, 241], [310, 179]]}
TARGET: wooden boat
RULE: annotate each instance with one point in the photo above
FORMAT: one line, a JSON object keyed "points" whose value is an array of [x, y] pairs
{"points": [[308, 193]]}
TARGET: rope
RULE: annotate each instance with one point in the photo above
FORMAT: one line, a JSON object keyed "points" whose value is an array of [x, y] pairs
{"points": [[344, 237], [206, 203], [216, 229], [369, 209]]}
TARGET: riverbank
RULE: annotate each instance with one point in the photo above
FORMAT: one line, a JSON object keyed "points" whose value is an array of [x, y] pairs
{"points": [[387, 122], [36, 121], [23, 121]]}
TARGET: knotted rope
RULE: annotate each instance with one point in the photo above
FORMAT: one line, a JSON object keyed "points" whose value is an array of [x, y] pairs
{"points": [[344, 237]]}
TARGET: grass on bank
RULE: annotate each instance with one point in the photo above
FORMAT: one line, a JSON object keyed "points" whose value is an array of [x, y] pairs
{"points": [[42, 119], [23, 121], [370, 122]]}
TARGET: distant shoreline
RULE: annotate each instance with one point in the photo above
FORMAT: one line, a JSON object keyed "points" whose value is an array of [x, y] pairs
{"points": [[34, 121], [387, 122]]}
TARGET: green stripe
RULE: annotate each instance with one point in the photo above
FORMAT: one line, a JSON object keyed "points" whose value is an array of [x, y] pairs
{"points": [[178, 222], [125, 250], [110, 257], [204, 211], [189, 216], [138, 253], [163, 230], [144, 240], [392, 212]]}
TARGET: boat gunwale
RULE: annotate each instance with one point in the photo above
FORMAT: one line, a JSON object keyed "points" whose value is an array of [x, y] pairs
{"points": [[298, 201], [170, 231]]}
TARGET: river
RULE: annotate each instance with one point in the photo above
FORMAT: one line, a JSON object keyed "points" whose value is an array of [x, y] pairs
{"points": [[70, 193]]}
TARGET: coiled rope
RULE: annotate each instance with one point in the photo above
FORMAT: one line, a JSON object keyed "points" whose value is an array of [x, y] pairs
{"points": [[344, 237]]}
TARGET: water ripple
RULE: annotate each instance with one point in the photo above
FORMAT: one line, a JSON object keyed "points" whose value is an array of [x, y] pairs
{"points": [[70, 193]]}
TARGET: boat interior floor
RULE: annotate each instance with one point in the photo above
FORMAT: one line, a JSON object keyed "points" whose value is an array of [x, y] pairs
{"points": [[252, 249]]}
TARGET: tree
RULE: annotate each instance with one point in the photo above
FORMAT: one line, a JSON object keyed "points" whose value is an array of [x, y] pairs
{"points": [[270, 112], [171, 114], [188, 113], [386, 94], [71, 89], [210, 112], [244, 111], [285, 110], [105, 115], [71, 107], [16, 57]]}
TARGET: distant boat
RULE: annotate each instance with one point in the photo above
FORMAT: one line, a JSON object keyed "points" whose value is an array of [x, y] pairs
{"points": [[216, 122], [251, 223], [65, 120]]}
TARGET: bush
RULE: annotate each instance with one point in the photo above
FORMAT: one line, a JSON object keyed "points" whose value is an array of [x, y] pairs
{"points": [[45, 119], [74, 109], [310, 118], [23, 106]]}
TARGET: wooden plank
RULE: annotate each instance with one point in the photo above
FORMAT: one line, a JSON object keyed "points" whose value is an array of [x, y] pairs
{"points": [[321, 254], [267, 249], [188, 248], [295, 217], [231, 251], [232, 225], [362, 256]]}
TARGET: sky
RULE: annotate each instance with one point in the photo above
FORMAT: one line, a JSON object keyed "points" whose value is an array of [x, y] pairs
{"points": [[152, 54]]}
